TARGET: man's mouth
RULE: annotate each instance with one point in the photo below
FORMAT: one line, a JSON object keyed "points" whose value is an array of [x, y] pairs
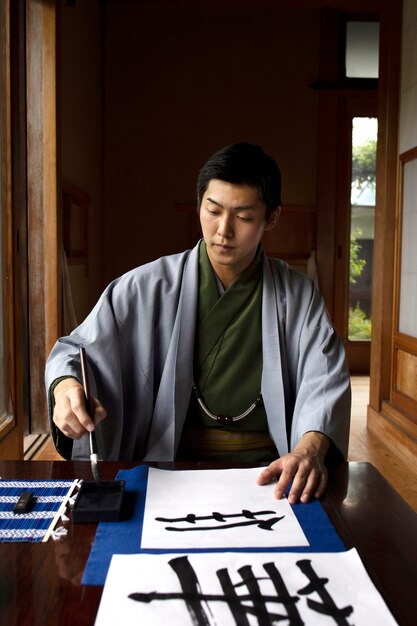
{"points": [[223, 247]]}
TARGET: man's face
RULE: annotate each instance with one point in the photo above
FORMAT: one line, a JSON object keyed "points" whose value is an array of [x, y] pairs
{"points": [[233, 221]]}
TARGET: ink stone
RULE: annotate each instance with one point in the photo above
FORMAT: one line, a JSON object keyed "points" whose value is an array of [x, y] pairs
{"points": [[98, 501]]}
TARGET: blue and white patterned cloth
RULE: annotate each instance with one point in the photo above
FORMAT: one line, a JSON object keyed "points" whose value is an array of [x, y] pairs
{"points": [[51, 499]]}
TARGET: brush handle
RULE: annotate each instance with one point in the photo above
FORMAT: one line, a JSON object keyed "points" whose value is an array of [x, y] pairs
{"points": [[89, 407], [86, 384]]}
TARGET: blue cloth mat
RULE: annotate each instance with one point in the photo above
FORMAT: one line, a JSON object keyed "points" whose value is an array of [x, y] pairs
{"points": [[33, 526], [124, 537]]}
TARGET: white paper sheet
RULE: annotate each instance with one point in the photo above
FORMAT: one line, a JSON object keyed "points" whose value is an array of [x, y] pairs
{"points": [[224, 589], [216, 509]]}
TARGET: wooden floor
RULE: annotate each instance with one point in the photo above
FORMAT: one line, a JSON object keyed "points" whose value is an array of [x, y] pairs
{"points": [[363, 446]]}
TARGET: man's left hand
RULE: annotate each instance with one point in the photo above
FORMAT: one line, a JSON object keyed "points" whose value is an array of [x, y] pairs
{"points": [[304, 467]]}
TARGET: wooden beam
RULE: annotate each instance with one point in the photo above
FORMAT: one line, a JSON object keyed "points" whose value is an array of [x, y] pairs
{"points": [[42, 198], [386, 197], [10, 426]]}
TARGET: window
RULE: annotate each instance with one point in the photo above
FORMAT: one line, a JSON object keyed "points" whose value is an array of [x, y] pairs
{"points": [[362, 216], [407, 323], [362, 50], [404, 367]]}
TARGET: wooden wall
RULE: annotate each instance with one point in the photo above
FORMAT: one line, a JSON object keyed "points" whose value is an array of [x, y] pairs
{"points": [[80, 138], [149, 91], [392, 411], [180, 83]]}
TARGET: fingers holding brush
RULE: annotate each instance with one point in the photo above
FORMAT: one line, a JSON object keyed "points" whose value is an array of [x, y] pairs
{"points": [[70, 411]]}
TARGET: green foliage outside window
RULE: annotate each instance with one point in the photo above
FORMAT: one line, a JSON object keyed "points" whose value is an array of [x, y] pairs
{"points": [[359, 326], [363, 172], [364, 162], [356, 263]]}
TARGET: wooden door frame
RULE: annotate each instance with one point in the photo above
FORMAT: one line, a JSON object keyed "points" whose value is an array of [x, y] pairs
{"points": [[41, 199], [10, 431], [362, 104], [390, 19], [386, 198], [394, 427], [336, 98], [29, 193]]}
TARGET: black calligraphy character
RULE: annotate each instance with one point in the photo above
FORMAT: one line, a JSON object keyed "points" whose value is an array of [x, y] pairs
{"points": [[327, 606], [257, 601], [192, 591], [191, 518], [251, 603], [195, 601]]}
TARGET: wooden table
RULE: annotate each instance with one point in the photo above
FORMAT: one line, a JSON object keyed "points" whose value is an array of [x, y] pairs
{"points": [[40, 582]]}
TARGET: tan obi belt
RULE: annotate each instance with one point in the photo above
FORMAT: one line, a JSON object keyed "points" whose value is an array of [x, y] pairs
{"points": [[206, 442]]}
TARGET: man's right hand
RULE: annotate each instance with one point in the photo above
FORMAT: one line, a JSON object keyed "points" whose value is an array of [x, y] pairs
{"points": [[70, 413]]}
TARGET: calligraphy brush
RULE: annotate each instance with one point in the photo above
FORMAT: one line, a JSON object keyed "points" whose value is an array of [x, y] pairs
{"points": [[93, 445]]}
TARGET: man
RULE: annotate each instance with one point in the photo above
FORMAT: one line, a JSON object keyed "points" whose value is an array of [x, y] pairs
{"points": [[214, 353]]}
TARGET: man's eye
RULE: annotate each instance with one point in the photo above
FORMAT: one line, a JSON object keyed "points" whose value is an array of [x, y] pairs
{"points": [[212, 211], [245, 219]]}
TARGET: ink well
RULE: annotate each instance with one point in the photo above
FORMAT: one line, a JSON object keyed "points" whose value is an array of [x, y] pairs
{"points": [[98, 501]]}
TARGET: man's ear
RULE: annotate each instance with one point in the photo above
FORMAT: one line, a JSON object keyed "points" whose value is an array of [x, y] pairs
{"points": [[273, 218]]}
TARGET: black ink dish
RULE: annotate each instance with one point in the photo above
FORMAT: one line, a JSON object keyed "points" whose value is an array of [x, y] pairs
{"points": [[98, 501]]}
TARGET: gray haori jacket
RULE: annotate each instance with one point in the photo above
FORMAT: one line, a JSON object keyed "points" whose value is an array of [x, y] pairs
{"points": [[139, 339]]}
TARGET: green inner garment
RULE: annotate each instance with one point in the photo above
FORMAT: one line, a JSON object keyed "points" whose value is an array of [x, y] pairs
{"points": [[228, 369]]}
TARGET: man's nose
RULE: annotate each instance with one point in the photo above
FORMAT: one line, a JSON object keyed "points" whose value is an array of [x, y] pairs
{"points": [[225, 228]]}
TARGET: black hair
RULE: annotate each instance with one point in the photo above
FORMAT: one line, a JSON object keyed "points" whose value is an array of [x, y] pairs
{"points": [[243, 164]]}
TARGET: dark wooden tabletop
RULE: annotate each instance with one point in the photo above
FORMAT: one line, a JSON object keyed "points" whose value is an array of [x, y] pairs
{"points": [[40, 582]]}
